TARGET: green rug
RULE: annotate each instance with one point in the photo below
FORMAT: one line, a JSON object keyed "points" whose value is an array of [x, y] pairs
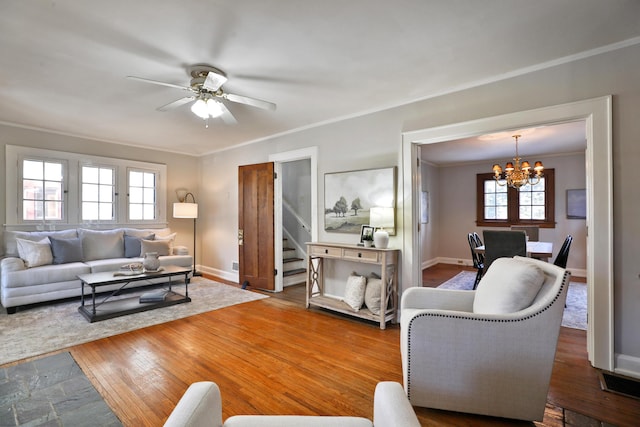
{"points": [[52, 326], [52, 391]]}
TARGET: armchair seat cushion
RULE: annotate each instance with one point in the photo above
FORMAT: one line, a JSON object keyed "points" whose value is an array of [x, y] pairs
{"points": [[508, 286]]}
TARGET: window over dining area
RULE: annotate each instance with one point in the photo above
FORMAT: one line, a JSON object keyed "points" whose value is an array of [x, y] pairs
{"points": [[502, 206]]}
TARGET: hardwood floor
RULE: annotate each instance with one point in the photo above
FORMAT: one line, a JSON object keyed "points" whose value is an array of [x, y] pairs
{"points": [[275, 357]]}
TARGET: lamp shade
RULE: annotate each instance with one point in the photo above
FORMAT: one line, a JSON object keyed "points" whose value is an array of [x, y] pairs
{"points": [[185, 210], [381, 217]]}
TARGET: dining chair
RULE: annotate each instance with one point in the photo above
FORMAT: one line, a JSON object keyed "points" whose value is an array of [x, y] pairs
{"points": [[563, 255], [532, 231], [499, 244], [478, 259]]}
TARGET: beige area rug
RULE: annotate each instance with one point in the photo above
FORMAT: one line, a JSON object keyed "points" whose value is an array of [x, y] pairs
{"points": [[43, 328]]}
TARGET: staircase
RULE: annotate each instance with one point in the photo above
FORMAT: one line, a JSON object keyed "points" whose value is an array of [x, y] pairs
{"points": [[294, 268]]}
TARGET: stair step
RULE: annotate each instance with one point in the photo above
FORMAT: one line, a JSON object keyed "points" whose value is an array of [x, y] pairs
{"points": [[294, 272], [286, 260]]}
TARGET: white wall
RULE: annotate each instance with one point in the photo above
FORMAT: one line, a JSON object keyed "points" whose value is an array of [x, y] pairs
{"points": [[375, 141]]}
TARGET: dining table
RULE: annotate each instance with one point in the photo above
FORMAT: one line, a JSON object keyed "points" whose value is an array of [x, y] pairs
{"points": [[539, 250]]}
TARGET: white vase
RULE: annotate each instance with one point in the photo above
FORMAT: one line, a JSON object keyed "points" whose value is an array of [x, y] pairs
{"points": [[381, 239], [151, 261]]}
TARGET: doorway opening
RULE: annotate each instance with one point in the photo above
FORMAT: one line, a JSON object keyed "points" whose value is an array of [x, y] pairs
{"points": [[597, 115], [295, 206]]}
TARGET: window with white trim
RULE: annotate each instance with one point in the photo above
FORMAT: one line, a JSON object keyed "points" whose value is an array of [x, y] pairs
{"points": [[42, 192], [142, 195], [46, 187], [98, 193]]}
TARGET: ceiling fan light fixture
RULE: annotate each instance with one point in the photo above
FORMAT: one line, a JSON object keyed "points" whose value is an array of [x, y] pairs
{"points": [[214, 108], [199, 108]]}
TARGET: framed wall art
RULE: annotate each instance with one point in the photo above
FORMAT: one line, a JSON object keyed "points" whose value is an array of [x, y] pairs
{"points": [[577, 204], [349, 197]]}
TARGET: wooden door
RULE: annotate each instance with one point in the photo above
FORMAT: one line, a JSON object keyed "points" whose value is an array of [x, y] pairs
{"points": [[255, 226]]}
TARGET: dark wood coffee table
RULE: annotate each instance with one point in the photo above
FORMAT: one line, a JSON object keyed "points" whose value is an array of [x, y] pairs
{"points": [[109, 308]]}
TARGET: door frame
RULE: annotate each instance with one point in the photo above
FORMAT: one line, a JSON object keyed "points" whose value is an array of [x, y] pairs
{"points": [[278, 159], [599, 166]]}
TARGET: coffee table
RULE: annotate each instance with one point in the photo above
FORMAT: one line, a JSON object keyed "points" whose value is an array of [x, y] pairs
{"points": [[108, 308]]}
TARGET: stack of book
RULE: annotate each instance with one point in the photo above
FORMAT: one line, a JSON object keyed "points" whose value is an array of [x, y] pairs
{"points": [[154, 296]]}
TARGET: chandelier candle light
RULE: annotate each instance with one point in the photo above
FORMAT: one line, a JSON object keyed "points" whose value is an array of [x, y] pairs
{"points": [[518, 175], [183, 209]]}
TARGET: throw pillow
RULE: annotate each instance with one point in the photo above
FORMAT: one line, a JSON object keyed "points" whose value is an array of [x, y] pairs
{"points": [[35, 254], [354, 292], [169, 238], [99, 244], [133, 245], [66, 250], [509, 285], [373, 294], [160, 246]]}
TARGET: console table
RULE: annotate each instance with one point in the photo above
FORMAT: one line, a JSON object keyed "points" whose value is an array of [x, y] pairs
{"points": [[386, 259]]}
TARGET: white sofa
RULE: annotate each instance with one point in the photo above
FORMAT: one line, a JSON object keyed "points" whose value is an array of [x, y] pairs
{"points": [[489, 351], [201, 406], [51, 262]]}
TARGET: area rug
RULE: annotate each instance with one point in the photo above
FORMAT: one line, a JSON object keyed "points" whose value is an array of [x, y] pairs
{"points": [[47, 327], [575, 313], [51, 391]]}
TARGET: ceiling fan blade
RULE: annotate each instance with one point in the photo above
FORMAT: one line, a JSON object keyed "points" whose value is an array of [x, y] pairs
{"points": [[155, 82], [176, 103], [227, 117], [214, 81], [250, 101]]}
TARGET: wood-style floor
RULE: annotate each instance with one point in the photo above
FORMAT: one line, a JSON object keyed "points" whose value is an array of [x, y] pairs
{"points": [[275, 357]]}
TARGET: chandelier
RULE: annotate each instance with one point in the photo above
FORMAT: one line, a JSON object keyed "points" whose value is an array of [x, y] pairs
{"points": [[518, 175]]}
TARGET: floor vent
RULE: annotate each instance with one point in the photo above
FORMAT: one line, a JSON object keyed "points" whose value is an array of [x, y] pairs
{"points": [[621, 385]]}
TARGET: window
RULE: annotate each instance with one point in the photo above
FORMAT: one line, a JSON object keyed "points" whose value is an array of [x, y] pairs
{"points": [[69, 189], [42, 190], [502, 206], [142, 195], [98, 193]]}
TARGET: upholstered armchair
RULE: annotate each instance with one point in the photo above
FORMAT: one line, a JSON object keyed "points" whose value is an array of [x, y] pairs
{"points": [[488, 351]]}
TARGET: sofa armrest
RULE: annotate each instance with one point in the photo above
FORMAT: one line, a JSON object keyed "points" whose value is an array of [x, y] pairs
{"points": [[438, 299], [391, 408], [10, 264], [200, 406]]}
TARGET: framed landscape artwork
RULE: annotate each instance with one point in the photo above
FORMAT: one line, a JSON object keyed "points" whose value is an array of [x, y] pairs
{"points": [[348, 197]]}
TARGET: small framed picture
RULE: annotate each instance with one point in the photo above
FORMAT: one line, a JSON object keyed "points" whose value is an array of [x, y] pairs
{"points": [[577, 204], [366, 233]]}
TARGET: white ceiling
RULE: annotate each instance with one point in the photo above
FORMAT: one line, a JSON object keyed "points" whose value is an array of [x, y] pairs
{"points": [[63, 63]]}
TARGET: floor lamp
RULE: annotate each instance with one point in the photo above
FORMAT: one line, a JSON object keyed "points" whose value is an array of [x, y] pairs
{"points": [[183, 209]]}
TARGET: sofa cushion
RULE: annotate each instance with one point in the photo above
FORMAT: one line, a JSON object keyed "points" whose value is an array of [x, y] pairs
{"points": [[509, 285], [160, 246], [66, 250], [354, 291], [11, 246], [35, 254], [133, 246], [102, 244]]}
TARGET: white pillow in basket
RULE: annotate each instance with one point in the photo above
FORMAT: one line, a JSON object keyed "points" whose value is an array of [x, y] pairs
{"points": [[354, 291], [509, 285]]}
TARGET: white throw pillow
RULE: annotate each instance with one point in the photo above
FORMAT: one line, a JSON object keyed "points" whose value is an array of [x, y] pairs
{"points": [[508, 286], [168, 238], [373, 294], [354, 292], [35, 254], [161, 247]]}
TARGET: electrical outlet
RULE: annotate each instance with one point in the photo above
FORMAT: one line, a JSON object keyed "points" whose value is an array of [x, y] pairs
{"points": [[235, 266]]}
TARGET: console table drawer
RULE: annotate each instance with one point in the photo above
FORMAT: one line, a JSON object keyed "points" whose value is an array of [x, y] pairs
{"points": [[326, 251], [361, 256]]}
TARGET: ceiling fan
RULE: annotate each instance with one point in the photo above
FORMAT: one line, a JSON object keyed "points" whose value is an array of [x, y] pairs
{"points": [[207, 92]]}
